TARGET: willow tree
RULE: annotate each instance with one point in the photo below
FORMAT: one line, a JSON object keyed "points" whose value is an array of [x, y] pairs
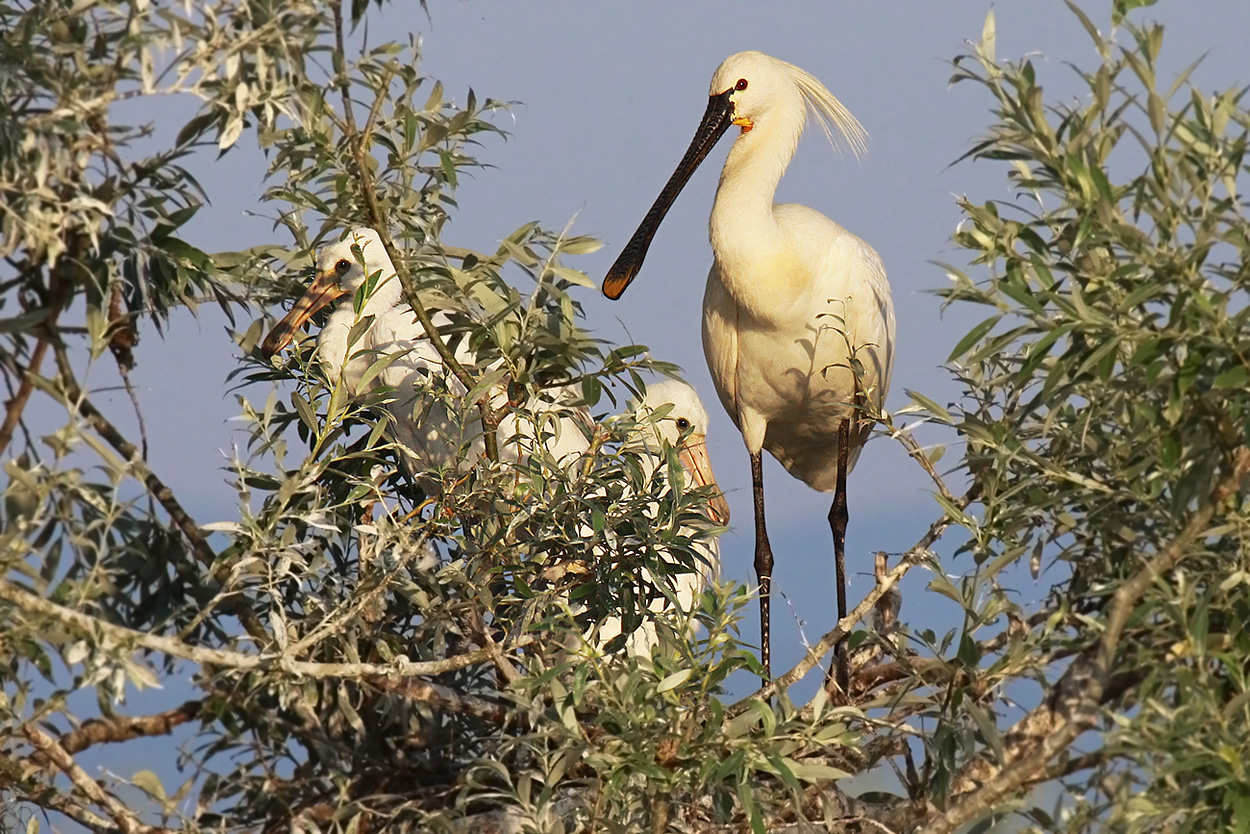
{"points": [[366, 657]]}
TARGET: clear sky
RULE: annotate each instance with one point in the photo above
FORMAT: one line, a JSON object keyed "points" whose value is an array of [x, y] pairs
{"points": [[611, 93]]}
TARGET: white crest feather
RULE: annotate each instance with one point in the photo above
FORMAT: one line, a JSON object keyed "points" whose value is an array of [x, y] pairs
{"points": [[832, 116]]}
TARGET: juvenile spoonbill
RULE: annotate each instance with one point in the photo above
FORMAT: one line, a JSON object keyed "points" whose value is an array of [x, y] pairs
{"points": [[798, 322], [684, 429], [432, 437]]}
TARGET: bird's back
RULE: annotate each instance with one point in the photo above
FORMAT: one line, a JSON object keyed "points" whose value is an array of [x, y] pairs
{"points": [[430, 425]]}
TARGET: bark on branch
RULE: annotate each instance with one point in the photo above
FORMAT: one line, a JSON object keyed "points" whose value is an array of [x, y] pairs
{"points": [[222, 658], [121, 728], [123, 818]]}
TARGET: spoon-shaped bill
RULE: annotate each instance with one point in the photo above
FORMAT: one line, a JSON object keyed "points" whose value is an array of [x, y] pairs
{"points": [[716, 120], [695, 460], [324, 289]]}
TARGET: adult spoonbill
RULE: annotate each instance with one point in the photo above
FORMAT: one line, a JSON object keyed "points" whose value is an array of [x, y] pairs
{"points": [[798, 323], [432, 436], [670, 415]]}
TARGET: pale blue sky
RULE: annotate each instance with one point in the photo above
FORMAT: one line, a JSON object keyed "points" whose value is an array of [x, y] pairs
{"points": [[612, 93]]}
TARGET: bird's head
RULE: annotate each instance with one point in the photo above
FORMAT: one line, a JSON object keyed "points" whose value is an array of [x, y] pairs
{"points": [[342, 268], [750, 85], [673, 415], [748, 89], [754, 85]]}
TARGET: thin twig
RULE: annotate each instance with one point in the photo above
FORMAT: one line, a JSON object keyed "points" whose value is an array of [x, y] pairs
{"points": [[921, 457], [817, 652]]}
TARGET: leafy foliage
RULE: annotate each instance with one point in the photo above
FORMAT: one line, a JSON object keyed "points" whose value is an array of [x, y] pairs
{"points": [[368, 656]]}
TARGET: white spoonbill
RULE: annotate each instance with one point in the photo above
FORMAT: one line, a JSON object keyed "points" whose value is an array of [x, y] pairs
{"points": [[432, 437], [684, 429], [798, 323]]}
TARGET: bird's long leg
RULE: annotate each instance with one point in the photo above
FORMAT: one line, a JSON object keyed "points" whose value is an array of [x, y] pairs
{"points": [[763, 563], [838, 517]]}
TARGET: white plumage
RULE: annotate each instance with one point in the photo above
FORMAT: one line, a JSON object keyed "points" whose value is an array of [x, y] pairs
{"points": [[798, 321], [684, 429], [434, 438]]}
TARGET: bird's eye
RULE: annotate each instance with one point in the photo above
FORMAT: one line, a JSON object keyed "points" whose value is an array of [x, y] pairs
{"points": [[741, 85], [683, 423], [342, 266]]}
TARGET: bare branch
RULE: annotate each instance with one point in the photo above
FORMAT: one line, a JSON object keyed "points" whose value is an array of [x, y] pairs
{"points": [[239, 660], [122, 728], [440, 696], [48, 746], [17, 404]]}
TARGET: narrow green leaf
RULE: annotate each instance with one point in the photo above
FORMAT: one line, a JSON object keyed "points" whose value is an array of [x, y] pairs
{"points": [[973, 336]]}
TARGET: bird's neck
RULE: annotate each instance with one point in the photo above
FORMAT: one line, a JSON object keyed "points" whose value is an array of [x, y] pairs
{"points": [[386, 295], [333, 344], [751, 253]]}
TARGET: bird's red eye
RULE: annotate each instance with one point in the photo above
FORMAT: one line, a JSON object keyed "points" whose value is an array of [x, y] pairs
{"points": [[741, 85]]}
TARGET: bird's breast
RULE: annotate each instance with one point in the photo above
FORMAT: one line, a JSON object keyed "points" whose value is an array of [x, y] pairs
{"points": [[787, 379]]}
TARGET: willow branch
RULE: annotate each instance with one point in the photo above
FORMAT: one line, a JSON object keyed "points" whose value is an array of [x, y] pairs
{"points": [[224, 658], [76, 401], [816, 653], [921, 457], [1050, 729], [378, 220], [122, 728], [932, 670], [49, 747], [17, 405], [369, 589], [13, 772], [437, 695]]}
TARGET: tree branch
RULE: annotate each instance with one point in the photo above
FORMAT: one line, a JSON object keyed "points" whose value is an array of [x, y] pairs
{"points": [[15, 406], [55, 301], [369, 589], [77, 403], [437, 695], [122, 728], [239, 660], [1051, 728], [935, 669], [48, 746], [921, 457], [378, 220]]}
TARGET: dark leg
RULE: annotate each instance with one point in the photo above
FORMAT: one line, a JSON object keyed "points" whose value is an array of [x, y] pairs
{"points": [[838, 518], [763, 563]]}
